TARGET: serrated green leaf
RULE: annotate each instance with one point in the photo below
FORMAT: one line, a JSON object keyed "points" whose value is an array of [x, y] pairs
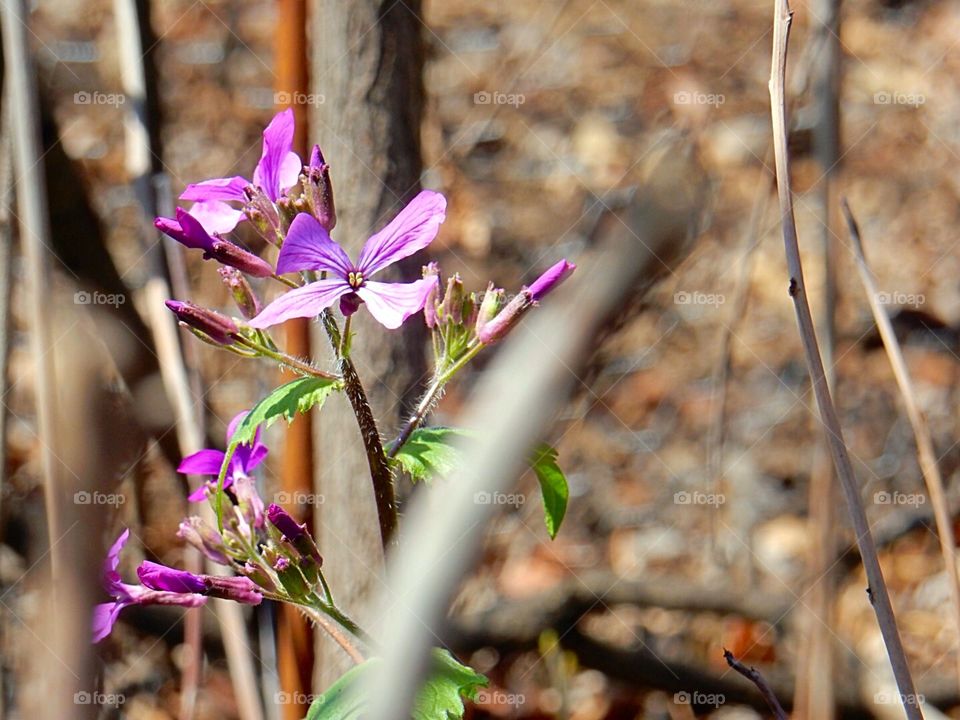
{"points": [[285, 402], [440, 698], [553, 487], [430, 452]]}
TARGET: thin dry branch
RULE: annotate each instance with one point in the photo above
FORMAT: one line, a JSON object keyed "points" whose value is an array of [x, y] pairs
{"points": [[921, 431], [754, 676], [828, 414]]}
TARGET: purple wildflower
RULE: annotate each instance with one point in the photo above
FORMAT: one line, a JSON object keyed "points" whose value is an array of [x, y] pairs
{"points": [[308, 246], [189, 231], [208, 462], [160, 577], [278, 171], [123, 595]]}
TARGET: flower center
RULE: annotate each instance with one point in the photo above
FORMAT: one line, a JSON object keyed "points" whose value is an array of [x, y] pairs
{"points": [[355, 279]]}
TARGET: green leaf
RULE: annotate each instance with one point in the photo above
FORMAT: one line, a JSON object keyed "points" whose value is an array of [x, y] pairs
{"points": [[285, 402], [429, 452], [553, 487], [440, 698]]}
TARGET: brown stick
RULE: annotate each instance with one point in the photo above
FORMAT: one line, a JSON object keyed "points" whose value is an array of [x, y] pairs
{"points": [[828, 414], [756, 678], [921, 431], [294, 637]]}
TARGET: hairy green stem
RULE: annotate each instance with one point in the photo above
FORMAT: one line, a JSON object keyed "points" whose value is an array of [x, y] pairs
{"points": [[430, 399]]}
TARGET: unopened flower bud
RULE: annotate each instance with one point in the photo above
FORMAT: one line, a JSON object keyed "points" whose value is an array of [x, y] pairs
{"points": [[319, 190], [217, 327], [489, 306], [257, 575], [451, 310], [243, 295], [555, 275], [238, 589], [205, 538], [160, 577], [262, 213], [506, 319], [243, 260], [430, 306], [295, 533], [249, 504]]}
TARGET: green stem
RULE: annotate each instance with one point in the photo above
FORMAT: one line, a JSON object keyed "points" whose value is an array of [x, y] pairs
{"points": [[430, 399], [288, 360]]}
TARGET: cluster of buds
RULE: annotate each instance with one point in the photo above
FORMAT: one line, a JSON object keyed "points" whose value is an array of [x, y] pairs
{"points": [[460, 320], [269, 548]]}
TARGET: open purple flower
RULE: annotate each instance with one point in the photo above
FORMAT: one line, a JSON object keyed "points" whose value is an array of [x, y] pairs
{"points": [[208, 462], [308, 246], [278, 171], [189, 231], [105, 615]]}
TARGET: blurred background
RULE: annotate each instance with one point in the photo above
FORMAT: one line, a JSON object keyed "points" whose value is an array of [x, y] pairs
{"points": [[691, 442]]}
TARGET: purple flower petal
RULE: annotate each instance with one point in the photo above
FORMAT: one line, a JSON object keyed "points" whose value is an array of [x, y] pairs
{"points": [[216, 216], [412, 229], [227, 189], [307, 301], [105, 617], [112, 561], [235, 423], [308, 247], [160, 577], [275, 162], [204, 462], [185, 230], [392, 303], [208, 488]]}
